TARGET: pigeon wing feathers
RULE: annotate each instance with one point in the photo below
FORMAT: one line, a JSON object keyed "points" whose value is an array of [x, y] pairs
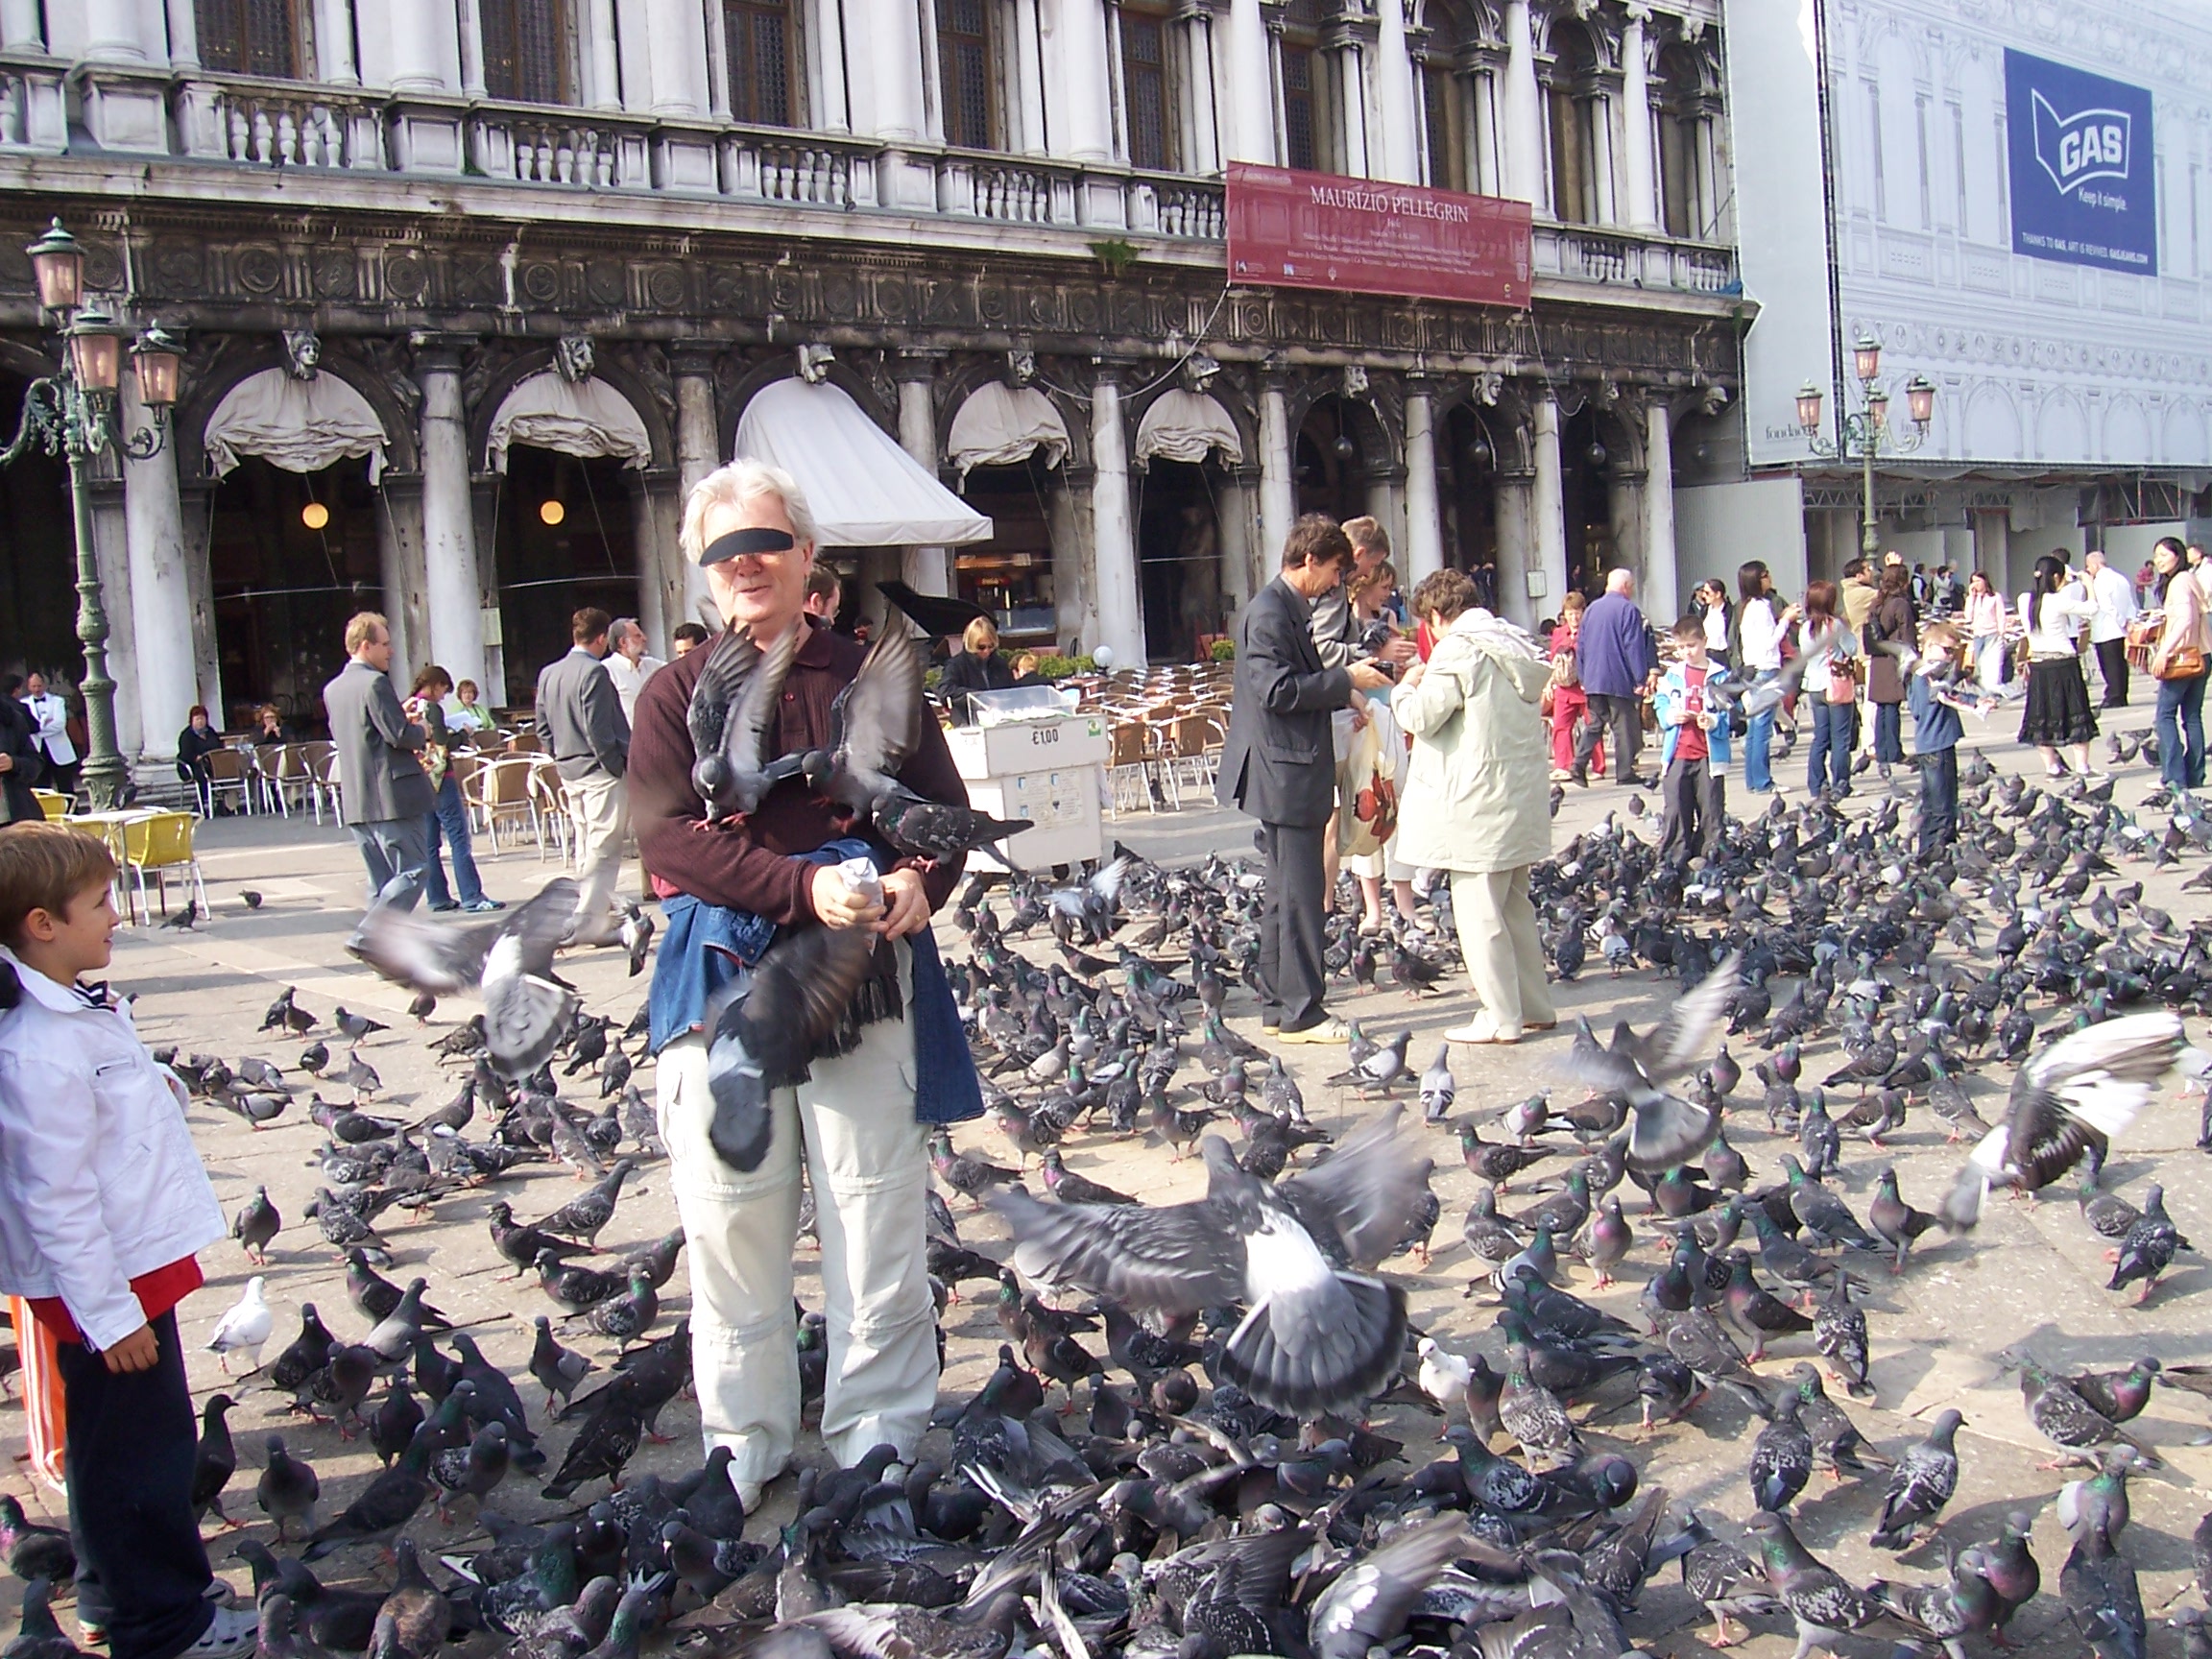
{"points": [[1180, 1259], [883, 708], [729, 660], [753, 717], [800, 990], [1369, 1189], [2105, 1073], [1680, 1042], [424, 956]]}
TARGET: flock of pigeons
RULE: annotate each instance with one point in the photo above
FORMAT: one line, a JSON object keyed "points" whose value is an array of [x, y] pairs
{"points": [[1209, 1431]]}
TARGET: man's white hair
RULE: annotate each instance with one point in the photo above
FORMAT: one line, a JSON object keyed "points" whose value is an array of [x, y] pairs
{"points": [[621, 630], [1620, 579], [741, 481]]}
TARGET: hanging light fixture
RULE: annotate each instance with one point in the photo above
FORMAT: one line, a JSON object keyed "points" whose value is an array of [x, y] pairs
{"points": [[315, 515], [1920, 400], [96, 350], [1344, 446], [551, 512], [158, 359], [1809, 400], [58, 262], [1478, 451], [1596, 454]]}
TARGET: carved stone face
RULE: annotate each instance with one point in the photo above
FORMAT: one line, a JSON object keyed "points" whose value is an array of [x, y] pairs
{"points": [[303, 353], [574, 358]]}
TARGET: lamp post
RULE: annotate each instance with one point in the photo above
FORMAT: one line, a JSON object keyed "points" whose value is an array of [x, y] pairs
{"points": [[74, 413], [1866, 433]]}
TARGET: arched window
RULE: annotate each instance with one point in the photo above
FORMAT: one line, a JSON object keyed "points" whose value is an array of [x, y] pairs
{"points": [[766, 80], [1582, 130], [967, 64], [1686, 108], [526, 51], [1151, 105], [1307, 81], [1459, 101], [248, 36]]}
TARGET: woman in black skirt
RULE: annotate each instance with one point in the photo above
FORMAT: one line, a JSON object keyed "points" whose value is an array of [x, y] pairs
{"points": [[2054, 609]]}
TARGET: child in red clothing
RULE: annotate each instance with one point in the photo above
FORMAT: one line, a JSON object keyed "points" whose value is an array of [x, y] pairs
{"points": [[1570, 702]]}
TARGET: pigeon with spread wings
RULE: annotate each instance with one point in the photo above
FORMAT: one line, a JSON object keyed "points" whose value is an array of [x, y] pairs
{"points": [[2073, 1096], [1323, 1333], [733, 718], [761, 1038], [1663, 1129], [509, 961]]}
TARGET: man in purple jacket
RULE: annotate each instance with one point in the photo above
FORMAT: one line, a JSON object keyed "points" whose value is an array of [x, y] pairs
{"points": [[1614, 657]]}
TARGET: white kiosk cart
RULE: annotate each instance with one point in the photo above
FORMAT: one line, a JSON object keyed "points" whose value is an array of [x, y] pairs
{"points": [[1032, 754]]}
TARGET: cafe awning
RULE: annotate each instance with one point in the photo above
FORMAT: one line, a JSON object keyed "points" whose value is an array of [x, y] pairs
{"points": [[864, 489]]}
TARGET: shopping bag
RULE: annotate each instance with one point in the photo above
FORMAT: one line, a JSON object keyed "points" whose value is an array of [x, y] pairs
{"points": [[1367, 794]]}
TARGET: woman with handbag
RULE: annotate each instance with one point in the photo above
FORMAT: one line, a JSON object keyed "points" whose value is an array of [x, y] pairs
{"points": [[1567, 703], [1756, 652], [2178, 663], [1831, 685], [1889, 623], [2059, 715]]}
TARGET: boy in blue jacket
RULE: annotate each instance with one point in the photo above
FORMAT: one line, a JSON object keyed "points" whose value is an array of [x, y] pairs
{"points": [[1694, 749], [1935, 733]]}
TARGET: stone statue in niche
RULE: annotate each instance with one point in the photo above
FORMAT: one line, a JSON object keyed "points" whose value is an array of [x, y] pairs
{"points": [[303, 353], [574, 358]]}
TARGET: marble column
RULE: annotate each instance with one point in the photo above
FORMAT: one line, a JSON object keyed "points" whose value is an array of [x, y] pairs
{"points": [[1074, 583], [452, 576], [1204, 154], [652, 590], [111, 556], [1662, 574], [184, 37], [1400, 160], [111, 32], [1516, 497], [1522, 136], [1113, 526], [1084, 127], [405, 579], [197, 500], [162, 669], [1640, 211], [1349, 64], [1251, 131], [1278, 493], [602, 60], [924, 569], [1424, 519], [698, 451], [21, 26], [885, 63], [676, 42], [1547, 508], [418, 62], [334, 53], [1234, 524], [471, 34]]}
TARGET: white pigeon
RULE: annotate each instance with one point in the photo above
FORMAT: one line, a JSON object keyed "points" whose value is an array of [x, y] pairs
{"points": [[244, 1328], [1444, 1376]]}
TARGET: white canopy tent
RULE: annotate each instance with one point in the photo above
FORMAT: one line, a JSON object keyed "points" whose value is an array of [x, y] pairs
{"points": [[999, 425], [587, 419], [301, 425], [1184, 425], [864, 489]]}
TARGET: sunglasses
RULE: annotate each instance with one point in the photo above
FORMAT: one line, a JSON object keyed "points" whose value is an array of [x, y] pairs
{"points": [[737, 544]]}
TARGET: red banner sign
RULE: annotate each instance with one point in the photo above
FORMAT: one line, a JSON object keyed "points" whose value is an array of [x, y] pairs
{"points": [[1320, 230]]}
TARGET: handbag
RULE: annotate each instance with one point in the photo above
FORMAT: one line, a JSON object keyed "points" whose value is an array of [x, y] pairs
{"points": [[1367, 782], [1842, 682], [2182, 662]]}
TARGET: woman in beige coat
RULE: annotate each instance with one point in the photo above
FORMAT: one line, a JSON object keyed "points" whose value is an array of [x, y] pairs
{"points": [[1477, 797]]}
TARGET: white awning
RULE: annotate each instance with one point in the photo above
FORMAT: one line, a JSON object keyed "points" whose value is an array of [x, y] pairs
{"points": [[999, 425], [864, 489], [1184, 425], [589, 420], [301, 425]]}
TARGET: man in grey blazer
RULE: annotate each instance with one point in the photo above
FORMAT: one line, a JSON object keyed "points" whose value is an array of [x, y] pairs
{"points": [[1279, 766], [580, 718], [384, 795]]}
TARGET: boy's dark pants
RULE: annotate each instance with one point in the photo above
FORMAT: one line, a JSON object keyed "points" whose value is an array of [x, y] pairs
{"points": [[1693, 798], [141, 1569], [1939, 800]]}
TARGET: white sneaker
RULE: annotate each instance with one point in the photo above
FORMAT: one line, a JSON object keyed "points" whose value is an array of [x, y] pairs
{"points": [[231, 1634]]}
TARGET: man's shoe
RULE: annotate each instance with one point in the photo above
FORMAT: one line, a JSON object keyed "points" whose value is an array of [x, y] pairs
{"points": [[1326, 1029], [441, 909], [483, 906], [231, 1634], [1581, 777], [1478, 1030]]}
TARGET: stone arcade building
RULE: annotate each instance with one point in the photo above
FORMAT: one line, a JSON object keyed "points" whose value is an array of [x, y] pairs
{"points": [[474, 289]]}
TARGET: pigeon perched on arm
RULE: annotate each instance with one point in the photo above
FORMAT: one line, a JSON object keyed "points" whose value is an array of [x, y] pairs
{"points": [[733, 716]]}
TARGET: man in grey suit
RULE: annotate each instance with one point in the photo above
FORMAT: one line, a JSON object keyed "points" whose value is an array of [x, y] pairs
{"points": [[384, 795], [1279, 766], [580, 718]]}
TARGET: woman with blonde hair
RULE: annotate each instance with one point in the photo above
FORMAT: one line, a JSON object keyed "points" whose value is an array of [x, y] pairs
{"points": [[978, 667], [1476, 801]]}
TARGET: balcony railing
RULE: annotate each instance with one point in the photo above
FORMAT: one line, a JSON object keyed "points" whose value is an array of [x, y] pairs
{"points": [[32, 112], [1629, 259], [279, 124]]}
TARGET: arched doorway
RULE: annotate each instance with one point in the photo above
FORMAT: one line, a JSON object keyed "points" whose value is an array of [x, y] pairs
{"points": [[1326, 464], [1011, 574], [1467, 495], [290, 556], [1179, 559], [1587, 454], [38, 556], [566, 537]]}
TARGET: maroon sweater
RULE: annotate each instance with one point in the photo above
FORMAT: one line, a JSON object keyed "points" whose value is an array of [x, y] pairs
{"points": [[752, 866]]}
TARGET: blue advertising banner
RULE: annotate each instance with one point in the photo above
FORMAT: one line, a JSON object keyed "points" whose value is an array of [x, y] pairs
{"points": [[2083, 179]]}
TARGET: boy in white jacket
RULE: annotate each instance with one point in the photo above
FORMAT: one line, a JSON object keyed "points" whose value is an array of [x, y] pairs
{"points": [[103, 1202]]}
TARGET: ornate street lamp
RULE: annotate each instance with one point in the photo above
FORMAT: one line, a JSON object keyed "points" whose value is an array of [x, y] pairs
{"points": [[1864, 434], [74, 413]]}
